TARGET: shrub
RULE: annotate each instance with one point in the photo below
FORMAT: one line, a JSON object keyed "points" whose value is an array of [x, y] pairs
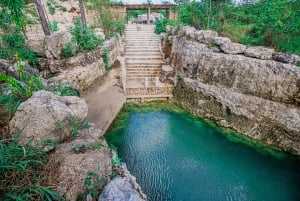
{"points": [[69, 49], [53, 26], [84, 37], [14, 44], [63, 89], [51, 7]]}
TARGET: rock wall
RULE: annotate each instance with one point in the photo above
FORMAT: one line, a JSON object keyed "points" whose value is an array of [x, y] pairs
{"points": [[82, 70], [254, 90]]}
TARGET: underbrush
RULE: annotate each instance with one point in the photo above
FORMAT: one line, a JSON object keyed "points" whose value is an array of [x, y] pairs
{"points": [[22, 175], [83, 39]]}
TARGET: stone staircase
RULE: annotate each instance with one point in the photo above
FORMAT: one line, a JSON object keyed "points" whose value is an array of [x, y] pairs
{"points": [[143, 64]]}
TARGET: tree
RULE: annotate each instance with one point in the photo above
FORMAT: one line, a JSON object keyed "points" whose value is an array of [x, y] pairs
{"points": [[42, 17], [82, 13]]}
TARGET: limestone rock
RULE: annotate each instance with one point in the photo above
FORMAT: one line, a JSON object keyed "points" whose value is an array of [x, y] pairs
{"points": [[259, 52], [55, 42], [221, 40], [45, 117], [286, 58], [100, 32], [92, 160], [80, 78], [123, 187], [266, 121], [187, 31], [206, 36], [233, 48], [118, 189], [37, 45]]}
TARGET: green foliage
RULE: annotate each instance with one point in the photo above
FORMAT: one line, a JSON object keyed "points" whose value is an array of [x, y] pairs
{"points": [[20, 167], [106, 59], [63, 89], [69, 49], [92, 184], [51, 7], [62, 8], [83, 39], [116, 162], [111, 23], [14, 44], [18, 91], [14, 10], [274, 23], [160, 25], [77, 126], [53, 26]]}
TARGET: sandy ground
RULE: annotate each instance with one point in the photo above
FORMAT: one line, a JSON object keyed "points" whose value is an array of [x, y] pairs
{"points": [[104, 102]]}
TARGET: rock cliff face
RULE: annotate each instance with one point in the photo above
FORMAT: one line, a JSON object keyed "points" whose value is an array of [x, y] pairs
{"points": [[244, 89], [82, 70]]}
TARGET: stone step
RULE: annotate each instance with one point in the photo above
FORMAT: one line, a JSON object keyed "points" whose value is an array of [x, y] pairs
{"points": [[149, 57], [146, 66], [144, 62], [139, 54]]}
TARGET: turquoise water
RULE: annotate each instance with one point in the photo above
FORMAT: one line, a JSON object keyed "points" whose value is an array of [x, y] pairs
{"points": [[177, 157]]}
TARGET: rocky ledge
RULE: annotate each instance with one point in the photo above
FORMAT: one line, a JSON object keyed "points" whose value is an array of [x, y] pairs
{"points": [[253, 90]]}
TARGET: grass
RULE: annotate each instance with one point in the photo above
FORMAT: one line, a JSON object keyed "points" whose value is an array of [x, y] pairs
{"points": [[21, 172]]}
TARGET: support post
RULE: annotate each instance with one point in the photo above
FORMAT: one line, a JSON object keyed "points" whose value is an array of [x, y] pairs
{"points": [[148, 15]]}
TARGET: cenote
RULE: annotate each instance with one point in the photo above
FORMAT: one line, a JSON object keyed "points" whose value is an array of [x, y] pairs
{"points": [[178, 157]]}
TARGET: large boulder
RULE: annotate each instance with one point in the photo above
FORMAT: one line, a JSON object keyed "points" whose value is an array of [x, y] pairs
{"points": [[206, 36], [221, 40], [85, 158], [55, 42], [233, 48], [124, 187], [259, 52], [286, 58], [46, 117]]}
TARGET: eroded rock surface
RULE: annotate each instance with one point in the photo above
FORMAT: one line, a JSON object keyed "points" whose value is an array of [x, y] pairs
{"points": [[123, 188], [84, 157], [45, 117], [244, 89]]}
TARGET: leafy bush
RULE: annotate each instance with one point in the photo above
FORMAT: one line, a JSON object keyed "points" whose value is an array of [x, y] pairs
{"points": [[14, 44], [160, 25], [84, 37], [261, 23], [63, 89], [69, 49], [20, 169], [53, 26], [51, 7]]}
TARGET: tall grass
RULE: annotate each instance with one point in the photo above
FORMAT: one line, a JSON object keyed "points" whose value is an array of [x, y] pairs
{"points": [[20, 170]]}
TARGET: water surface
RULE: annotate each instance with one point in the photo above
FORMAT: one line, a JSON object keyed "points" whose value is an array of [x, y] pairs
{"points": [[177, 157]]}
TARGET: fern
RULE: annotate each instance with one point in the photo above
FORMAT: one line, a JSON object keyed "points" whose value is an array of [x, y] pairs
{"points": [[12, 82]]}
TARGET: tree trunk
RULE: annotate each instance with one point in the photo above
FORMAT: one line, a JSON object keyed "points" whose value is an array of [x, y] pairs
{"points": [[42, 17], [82, 13]]}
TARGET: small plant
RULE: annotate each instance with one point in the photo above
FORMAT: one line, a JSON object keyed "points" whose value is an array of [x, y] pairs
{"points": [[69, 49], [106, 59], [112, 176], [53, 26], [62, 8], [116, 162], [77, 126], [79, 149], [51, 7], [92, 184], [96, 146], [63, 89]]}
